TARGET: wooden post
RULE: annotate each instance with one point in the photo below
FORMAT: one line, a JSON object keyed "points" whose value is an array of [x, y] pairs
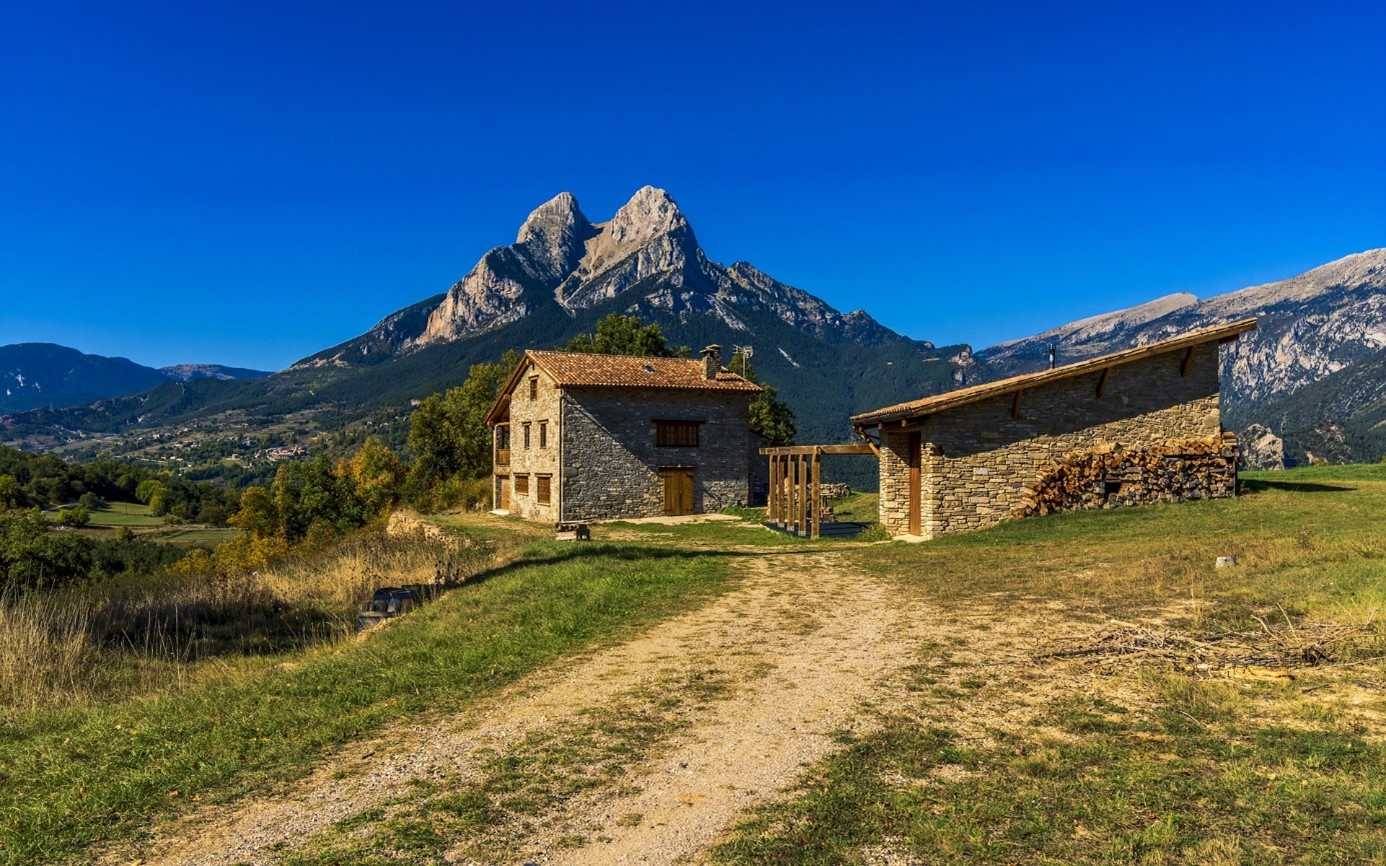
{"points": [[770, 493], [779, 492], [817, 495], [781, 471], [791, 521], [803, 497]]}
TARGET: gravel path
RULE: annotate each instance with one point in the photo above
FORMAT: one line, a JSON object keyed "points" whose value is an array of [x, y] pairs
{"points": [[808, 645]]}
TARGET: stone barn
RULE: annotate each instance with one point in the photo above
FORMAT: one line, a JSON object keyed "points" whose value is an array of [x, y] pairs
{"points": [[1128, 428], [580, 437]]}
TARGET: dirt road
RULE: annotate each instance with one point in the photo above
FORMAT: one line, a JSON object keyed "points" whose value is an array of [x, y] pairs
{"points": [[734, 701]]}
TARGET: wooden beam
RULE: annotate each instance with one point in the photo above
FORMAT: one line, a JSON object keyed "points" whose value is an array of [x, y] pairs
{"points": [[1188, 359], [1015, 404], [870, 443], [801, 450], [1102, 382], [817, 497]]}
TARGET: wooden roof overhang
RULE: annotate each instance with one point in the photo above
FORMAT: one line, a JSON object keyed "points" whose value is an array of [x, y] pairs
{"points": [[916, 410]]}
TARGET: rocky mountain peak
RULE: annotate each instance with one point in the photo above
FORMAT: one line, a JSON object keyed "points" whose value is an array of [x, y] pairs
{"points": [[552, 237], [554, 217], [651, 212]]}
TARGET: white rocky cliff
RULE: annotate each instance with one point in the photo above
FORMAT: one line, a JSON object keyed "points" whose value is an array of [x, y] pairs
{"points": [[647, 249]]}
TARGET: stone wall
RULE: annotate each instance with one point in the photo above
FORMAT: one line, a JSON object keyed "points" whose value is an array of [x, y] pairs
{"points": [[535, 460], [611, 462], [979, 463]]}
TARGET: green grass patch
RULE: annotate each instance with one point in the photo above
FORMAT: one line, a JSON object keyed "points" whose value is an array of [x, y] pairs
{"points": [[1226, 771], [73, 778], [1117, 787], [124, 514]]}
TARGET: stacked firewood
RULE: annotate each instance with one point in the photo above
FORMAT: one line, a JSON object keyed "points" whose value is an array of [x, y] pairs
{"points": [[1110, 476], [834, 491]]}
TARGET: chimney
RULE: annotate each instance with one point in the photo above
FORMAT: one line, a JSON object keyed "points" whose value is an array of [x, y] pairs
{"points": [[712, 361]]}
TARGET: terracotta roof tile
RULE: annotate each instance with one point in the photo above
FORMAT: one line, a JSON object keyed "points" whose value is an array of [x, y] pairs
{"points": [[577, 369]]}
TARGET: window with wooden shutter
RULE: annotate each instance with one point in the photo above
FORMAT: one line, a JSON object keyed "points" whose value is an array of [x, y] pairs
{"points": [[542, 487], [522, 485], [677, 434]]}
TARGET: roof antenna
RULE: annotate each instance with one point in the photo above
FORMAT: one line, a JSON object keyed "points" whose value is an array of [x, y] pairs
{"points": [[1051, 356]]}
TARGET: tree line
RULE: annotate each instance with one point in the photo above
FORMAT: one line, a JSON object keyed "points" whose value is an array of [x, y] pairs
{"points": [[308, 503]]}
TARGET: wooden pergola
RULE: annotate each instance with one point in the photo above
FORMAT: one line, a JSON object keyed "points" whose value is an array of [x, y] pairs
{"points": [[796, 499]]}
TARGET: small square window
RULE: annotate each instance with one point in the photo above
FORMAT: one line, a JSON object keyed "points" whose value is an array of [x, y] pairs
{"points": [[542, 485], [676, 434]]}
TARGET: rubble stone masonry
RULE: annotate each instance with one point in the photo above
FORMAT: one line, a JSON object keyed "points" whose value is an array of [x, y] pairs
{"points": [[980, 465], [611, 464], [536, 461]]}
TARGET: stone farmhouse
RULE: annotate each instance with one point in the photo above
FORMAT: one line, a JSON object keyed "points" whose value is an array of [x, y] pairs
{"points": [[1128, 428], [580, 437]]}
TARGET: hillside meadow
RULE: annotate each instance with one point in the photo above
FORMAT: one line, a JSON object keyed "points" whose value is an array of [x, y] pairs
{"points": [[1168, 712]]}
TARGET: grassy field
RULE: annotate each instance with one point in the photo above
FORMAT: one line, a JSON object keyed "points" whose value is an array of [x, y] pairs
{"points": [[73, 777], [112, 516], [1109, 758], [1155, 761], [125, 514]]}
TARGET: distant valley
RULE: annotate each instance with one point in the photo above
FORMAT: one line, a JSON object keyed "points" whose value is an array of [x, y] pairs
{"points": [[1309, 382]]}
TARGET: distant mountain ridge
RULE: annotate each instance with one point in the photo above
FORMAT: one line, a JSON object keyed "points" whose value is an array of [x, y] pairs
{"points": [[563, 274], [1311, 372], [34, 375]]}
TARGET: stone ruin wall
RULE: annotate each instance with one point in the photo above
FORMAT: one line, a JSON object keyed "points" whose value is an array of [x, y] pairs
{"points": [[980, 465]]}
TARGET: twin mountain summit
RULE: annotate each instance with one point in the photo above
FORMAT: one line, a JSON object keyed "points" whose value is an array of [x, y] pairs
{"points": [[1309, 383]]}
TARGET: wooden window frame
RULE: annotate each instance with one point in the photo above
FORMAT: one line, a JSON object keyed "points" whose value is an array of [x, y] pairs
{"points": [[543, 434], [525, 425], [676, 433], [543, 489], [519, 484], [533, 387]]}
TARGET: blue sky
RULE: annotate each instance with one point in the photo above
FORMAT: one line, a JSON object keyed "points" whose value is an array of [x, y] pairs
{"points": [[248, 183]]}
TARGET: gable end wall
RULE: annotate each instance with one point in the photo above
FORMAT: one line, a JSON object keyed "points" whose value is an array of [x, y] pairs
{"points": [[611, 464]]}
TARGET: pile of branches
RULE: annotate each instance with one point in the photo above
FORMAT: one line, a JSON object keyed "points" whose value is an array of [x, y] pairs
{"points": [[1110, 475], [1273, 647]]}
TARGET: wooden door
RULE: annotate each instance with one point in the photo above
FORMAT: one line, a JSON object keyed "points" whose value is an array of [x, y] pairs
{"points": [[915, 492], [504, 493], [678, 491]]}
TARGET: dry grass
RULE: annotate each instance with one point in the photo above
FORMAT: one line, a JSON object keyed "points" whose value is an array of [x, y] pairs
{"points": [[45, 650], [95, 644]]}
